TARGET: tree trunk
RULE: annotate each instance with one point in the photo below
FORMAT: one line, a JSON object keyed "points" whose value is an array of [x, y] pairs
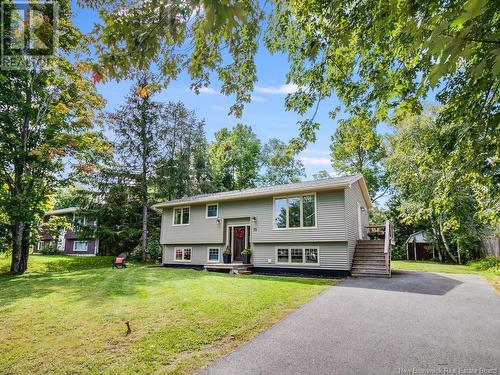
{"points": [[20, 247], [435, 231], [144, 238], [458, 253], [144, 178], [445, 243]]}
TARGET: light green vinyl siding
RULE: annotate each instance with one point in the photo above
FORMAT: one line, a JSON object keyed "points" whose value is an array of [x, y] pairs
{"points": [[353, 196], [330, 221], [332, 255]]}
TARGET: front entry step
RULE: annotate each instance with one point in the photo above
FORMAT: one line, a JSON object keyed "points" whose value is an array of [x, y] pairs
{"points": [[369, 259], [234, 268]]}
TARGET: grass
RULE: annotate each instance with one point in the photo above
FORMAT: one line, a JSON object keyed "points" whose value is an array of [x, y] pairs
{"points": [[58, 263], [72, 320], [492, 275]]}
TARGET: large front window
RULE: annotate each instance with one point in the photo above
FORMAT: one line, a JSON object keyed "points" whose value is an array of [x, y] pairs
{"points": [[181, 215], [295, 211]]}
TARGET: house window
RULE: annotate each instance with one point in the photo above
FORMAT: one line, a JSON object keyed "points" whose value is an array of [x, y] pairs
{"points": [[295, 211], [80, 246], [212, 210], [39, 246], [311, 256], [183, 254], [214, 254], [297, 255], [282, 256], [80, 220], [182, 215]]}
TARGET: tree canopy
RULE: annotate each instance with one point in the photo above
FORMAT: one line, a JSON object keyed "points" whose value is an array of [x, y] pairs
{"points": [[48, 134]]}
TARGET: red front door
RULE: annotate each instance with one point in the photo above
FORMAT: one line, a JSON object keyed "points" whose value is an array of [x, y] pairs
{"points": [[239, 237]]}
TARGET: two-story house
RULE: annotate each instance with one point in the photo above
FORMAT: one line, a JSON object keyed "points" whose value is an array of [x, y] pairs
{"points": [[69, 241]]}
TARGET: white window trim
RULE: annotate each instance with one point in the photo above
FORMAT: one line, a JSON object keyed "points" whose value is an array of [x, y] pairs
{"points": [[183, 260], [301, 211], [289, 248], [82, 251], [173, 216], [206, 211], [208, 254], [39, 245]]}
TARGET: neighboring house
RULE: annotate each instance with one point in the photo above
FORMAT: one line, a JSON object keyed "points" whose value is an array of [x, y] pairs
{"points": [[306, 227], [68, 241], [418, 247]]}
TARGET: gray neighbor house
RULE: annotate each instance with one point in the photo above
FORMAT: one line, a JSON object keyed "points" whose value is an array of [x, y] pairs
{"points": [[313, 227]]}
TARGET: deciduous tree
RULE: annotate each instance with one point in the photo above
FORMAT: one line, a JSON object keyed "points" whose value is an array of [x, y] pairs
{"points": [[47, 131], [357, 148], [235, 158], [280, 166]]}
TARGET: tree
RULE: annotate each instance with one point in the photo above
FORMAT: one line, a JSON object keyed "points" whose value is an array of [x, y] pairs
{"points": [[47, 121], [183, 167], [357, 148], [235, 158], [387, 59], [280, 167], [192, 34], [321, 174], [140, 134], [53, 227], [451, 211]]}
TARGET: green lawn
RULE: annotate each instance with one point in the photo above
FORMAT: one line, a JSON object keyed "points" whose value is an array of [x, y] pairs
{"points": [[72, 321], [491, 275]]}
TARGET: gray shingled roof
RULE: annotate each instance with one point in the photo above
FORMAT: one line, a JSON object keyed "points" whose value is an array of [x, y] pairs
{"points": [[323, 184]]}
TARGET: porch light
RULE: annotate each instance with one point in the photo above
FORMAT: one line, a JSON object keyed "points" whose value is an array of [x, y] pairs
{"points": [[254, 219], [217, 221], [362, 209]]}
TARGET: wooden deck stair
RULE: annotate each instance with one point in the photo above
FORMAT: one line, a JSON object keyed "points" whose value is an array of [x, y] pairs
{"points": [[370, 260]]}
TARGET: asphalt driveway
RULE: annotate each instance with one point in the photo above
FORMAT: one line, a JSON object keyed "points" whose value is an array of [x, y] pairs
{"points": [[413, 323]]}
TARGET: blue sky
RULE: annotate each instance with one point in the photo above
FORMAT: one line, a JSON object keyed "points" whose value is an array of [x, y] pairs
{"points": [[266, 114]]}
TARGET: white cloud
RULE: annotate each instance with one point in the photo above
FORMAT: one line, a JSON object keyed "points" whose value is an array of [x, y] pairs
{"points": [[208, 90], [289, 88], [258, 99], [308, 161]]}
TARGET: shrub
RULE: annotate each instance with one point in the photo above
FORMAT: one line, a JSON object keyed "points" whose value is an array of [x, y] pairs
{"points": [[398, 252], [488, 263], [153, 251], [50, 249]]}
